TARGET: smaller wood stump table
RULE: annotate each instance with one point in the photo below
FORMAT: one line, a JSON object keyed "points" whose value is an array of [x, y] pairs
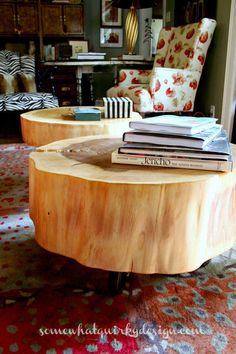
{"points": [[127, 218], [44, 126]]}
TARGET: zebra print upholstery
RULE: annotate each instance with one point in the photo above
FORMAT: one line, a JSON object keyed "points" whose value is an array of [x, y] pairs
{"points": [[9, 69], [9, 63], [21, 69], [27, 74], [27, 101], [27, 64]]}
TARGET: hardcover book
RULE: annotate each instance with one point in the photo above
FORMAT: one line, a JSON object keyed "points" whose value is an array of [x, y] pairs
{"points": [[84, 114], [91, 56], [198, 140], [174, 124], [172, 162], [218, 149]]}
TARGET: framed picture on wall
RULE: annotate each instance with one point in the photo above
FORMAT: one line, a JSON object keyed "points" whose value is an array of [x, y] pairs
{"points": [[111, 37], [110, 16], [78, 47]]}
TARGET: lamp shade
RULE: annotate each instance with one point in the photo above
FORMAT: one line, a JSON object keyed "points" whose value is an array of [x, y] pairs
{"points": [[137, 4]]}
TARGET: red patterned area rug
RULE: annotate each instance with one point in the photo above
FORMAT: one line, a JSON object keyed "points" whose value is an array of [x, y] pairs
{"points": [[50, 304]]}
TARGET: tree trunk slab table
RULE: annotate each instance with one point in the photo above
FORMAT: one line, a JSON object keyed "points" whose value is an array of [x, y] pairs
{"points": [[43, 126], [127, 218]]}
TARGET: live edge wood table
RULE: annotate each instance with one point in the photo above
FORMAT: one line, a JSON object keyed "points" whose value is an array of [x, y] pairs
{"points": [[44, 126], [126, 218]]}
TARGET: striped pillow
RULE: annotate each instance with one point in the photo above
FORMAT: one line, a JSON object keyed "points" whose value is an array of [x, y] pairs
{"points": [[9, 68], [9, 62], [13, 62], [27, 64], [8, 84], [28, 82], [27, 75]]}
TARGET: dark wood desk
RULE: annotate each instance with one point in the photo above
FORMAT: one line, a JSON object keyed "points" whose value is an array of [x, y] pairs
{"points": [[89, 67]]}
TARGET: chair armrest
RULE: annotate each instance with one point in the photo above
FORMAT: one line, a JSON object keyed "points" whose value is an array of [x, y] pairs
{"points": [[128, 77], [173, 89], [173, 78]]}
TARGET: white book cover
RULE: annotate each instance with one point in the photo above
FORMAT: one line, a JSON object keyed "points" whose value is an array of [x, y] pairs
{"points": [[219, 146], [198, 140], [125, 105], [132, 57], [171, 162], [130, 106], [174, 124], [91, 53], [90, 57], [110, 115], [173, 153], [105, 107]]}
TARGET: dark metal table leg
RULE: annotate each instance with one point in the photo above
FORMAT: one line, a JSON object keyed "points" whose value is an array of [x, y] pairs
{"points": [[115, 282]]}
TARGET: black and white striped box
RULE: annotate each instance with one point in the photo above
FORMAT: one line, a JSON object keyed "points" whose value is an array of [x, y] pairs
{"points": [[118, 107]]}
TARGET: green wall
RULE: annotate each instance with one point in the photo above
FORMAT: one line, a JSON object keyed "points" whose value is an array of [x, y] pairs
{"points": [[212, 81], [211, 87], [92, 28]]}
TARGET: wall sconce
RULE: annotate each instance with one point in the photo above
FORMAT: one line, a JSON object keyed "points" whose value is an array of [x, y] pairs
{"points": [[131, 23]]}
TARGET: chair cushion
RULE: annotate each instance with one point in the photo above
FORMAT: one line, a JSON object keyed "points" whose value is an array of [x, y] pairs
{"points": [[9, 69], [13, 62], [27, 64], [28, 101], [162, 46], [189, 45], [27, 76], [27, 82], [8, 83], [9, 62], [2, 103], [181, 48], [3, 65]]}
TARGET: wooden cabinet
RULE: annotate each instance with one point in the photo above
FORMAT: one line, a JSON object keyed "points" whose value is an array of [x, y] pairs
{"points": [[23, 18], [64, 83], [7, 18], [18, 18], [63, 20], [51, 17]]}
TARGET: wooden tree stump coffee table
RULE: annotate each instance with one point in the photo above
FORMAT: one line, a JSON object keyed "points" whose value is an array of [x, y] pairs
{"points": [[127, 218], [43, 126]]}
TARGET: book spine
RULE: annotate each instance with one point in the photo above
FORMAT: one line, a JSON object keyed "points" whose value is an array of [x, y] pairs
{"points": [[105, 107], [153, 161], [114, 104], [130, 106], [109, 107], [125, 107], [119, 107]]}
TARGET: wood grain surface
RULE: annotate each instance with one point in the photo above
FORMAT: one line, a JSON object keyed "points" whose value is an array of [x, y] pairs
{"points": [[44, 126], [128, 218]]}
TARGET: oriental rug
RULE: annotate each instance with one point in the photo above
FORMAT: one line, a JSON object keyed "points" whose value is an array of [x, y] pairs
{"points": [[51, 304]]}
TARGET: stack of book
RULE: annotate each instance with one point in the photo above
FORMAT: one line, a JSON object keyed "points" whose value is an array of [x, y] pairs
{"points": [[91, 56], [177, 142]]}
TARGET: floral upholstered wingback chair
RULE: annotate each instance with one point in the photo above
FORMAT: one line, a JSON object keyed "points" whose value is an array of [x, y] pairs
{"points": [[172, 84]]}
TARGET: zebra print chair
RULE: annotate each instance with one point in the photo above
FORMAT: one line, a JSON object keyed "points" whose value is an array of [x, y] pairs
{"points": [[18, 89]]}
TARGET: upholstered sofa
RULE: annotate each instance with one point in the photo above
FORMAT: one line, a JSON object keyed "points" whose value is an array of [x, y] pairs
{"points": [[18, 88]]}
